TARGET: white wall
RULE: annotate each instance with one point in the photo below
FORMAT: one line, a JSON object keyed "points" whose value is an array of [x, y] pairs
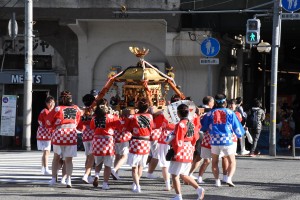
{"points": [[104, 43], [184, 55]]}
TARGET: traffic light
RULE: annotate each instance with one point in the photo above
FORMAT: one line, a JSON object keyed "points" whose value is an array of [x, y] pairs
{"points": [[253, 31]]}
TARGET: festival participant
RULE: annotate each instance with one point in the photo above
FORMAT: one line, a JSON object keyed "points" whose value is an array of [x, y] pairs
{"points": [[104, 125], [64, 119], [225, 163], [163, 147], [183, 147], [196, 158], [44, 134], [140, 126], [122, 138], [240, 109], [87, 137], [98, 168], [208, 104], [221, 124], [154, 136]]}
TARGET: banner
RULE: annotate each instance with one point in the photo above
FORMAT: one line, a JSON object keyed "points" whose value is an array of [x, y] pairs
{"points": [[8, 115], [170, 112]]}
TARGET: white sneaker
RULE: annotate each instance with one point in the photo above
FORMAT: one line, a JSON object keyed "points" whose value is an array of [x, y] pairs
{"points": [[168, 186], [225, 178], [43, 170], [63, 181], [52, 181], [200, 180], [200, 192], [85, 180], [47, 172], [105, 186], [177, 197], [68, 183], [218, 183], [230, 183], [133, 187], [137, 190], [115, 175], [246, 152], [151, 176]]}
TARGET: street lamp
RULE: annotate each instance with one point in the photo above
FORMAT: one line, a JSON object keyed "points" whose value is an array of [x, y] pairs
{"points": [[264, 48]]}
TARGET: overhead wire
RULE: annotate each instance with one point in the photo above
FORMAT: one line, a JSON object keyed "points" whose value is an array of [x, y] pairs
{"points": [[5, 3], [3, 13]]}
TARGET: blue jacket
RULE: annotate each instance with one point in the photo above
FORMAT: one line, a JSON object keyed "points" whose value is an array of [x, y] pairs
{"points": [[221, 124]]}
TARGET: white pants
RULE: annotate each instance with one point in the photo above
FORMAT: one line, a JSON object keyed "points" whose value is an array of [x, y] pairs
{"points": [[65, 151], [44, 145]]}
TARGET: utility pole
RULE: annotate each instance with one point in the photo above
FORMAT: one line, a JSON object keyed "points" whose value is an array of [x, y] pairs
{"points": [[274, 70], [27, 112]]}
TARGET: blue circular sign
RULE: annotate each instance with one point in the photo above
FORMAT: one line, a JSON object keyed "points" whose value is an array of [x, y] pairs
{"points": [[5, 99], [291, 5], [210, 47]]}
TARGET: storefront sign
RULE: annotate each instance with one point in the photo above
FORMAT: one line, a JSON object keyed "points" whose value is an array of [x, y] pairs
{"points": [[19, 78], [44, 78], [17, 46], [8, 115]]}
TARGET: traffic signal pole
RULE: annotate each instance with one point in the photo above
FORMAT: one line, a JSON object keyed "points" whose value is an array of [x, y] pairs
{"points": [[274, 70], [27, 111]]}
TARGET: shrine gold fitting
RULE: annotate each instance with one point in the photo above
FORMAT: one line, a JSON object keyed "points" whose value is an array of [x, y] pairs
{"points": [[140, 53]]}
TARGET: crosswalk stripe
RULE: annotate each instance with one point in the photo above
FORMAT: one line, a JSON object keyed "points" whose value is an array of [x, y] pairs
{"points": [[25, 167]]}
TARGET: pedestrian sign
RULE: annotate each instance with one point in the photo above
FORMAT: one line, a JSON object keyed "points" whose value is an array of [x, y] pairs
{"points": [[210, 47], [252, 37], [291, 5]]}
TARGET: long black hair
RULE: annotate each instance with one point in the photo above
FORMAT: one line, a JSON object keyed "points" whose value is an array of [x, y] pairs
{"points": [[100, 112]]}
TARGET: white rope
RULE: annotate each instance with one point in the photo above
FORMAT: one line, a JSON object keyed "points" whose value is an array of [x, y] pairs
{"points": [[161, 73]]}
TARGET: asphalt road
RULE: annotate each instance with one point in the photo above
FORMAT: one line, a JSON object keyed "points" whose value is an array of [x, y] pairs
{"points": [[262, 177]]}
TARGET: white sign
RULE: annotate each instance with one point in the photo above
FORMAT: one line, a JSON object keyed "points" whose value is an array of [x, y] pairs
{"points": [[8, 115], [209, 61], [290, 16], [170, 112]]}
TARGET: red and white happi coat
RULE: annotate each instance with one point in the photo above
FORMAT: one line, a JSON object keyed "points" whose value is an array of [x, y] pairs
{"points": [[43, 133], [166, 128], [103, 141], [183, 145], [84, 126], [64, 120], [141, 125], [121, 134]]}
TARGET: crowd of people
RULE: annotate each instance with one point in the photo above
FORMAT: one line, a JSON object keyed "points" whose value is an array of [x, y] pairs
{"points": [[143, 136]]}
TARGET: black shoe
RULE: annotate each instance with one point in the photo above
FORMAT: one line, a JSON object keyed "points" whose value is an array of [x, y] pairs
{"points": [[96, 182]]}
